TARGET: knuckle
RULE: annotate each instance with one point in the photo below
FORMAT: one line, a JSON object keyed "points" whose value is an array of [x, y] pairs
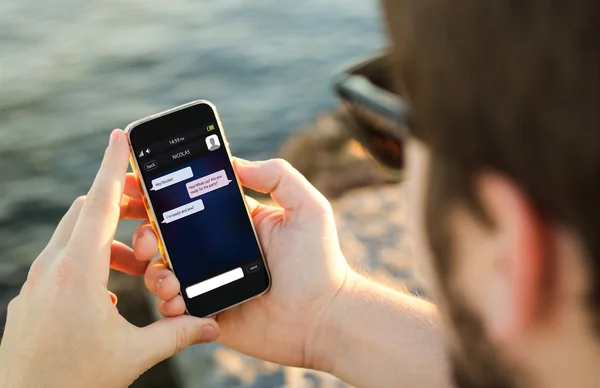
{"points": [[324, 204], [35, 271], [62, 271], [282, 164], [98, 205], [79, 202], [182, 337], [13, 305], [95, 202]]}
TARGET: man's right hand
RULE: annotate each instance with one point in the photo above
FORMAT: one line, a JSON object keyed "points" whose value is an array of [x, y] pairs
{"points": [[299, 240]]}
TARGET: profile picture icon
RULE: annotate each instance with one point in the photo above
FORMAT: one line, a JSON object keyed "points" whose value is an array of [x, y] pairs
{"points": [[212, 142]]}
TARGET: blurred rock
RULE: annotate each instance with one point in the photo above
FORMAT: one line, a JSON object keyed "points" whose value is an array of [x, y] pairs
{"points": [[374, 239], [328, 157]]}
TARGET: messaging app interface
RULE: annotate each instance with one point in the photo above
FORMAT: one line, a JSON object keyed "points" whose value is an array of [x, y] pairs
{"points": [[201, 214]]}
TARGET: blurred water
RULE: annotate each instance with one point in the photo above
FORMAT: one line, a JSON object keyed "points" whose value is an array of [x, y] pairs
{"points": [[71, 67], [72, 70]]}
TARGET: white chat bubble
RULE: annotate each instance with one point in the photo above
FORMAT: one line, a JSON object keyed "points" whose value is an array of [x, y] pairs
{"points": [[183, 211], [172, 178], [207, 184]]}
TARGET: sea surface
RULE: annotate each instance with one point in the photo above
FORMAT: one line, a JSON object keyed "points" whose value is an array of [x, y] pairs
{"points": [[71, 68]]}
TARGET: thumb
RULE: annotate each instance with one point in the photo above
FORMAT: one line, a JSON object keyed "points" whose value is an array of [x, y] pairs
{"points": [[288, 187], [170, 336]]}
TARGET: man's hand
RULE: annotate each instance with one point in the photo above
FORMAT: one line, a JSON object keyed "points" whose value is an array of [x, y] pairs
{"points": [[299, 240], [318, 314], [63, 329]]}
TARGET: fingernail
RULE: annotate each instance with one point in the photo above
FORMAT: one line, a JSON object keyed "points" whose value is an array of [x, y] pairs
{"points": [[114, 136], [138, 235], [159, 282], [113, 298], [208, 334]]}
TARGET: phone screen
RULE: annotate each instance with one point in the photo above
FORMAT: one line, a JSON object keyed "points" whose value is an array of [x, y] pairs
{"points": [[199, 209]]}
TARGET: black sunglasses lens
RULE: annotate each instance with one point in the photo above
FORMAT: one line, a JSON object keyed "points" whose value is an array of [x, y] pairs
{"points": [[389, 151], [375, 134], [385, 149]]}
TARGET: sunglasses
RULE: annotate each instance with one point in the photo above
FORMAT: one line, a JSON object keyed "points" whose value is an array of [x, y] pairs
{"points": [[380, 114]]}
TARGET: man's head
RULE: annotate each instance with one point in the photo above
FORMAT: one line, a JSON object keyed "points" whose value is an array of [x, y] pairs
{"points": [[505, 97]]}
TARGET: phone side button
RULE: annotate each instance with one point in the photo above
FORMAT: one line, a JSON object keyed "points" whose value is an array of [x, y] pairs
{"points": [[253, 267]]}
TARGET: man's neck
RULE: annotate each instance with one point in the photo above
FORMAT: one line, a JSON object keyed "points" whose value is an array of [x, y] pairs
{"points": [[567, 363]]}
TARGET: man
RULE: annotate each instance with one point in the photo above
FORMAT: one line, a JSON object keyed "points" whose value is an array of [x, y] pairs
{"points": [[503, 167]]}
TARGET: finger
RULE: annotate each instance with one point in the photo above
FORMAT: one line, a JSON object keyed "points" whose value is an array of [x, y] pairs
{"points": [[168, 287], [145, 243], [255, 207], [252, 204], [63, 231], [58, 241], [132, 189], [172, 307], [97, 223], [160, 281], [123, 259], [259, 212], [132, 209], [287, 186], [169, 336]]}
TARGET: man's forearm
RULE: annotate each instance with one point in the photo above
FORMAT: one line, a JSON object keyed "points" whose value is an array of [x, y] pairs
{"points": [[377, 337]]}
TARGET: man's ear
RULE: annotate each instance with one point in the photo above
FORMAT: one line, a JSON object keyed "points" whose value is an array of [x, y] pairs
{"points": [[519, 275]]}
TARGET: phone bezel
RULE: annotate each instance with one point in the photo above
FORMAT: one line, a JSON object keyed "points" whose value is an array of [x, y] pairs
{"points": [[150, 209]]}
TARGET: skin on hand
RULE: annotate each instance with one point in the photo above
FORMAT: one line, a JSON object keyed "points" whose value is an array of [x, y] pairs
{"points": [[299, 240], [63, 329], [318, 314]]}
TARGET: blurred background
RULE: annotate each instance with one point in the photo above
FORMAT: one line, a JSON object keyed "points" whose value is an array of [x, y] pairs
{"points": [[71, 71]]}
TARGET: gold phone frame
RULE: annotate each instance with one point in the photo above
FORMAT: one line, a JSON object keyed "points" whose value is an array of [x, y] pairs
{"points": [[150, 209]]}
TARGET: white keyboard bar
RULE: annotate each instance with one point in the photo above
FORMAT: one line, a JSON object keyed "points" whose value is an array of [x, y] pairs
{"points": [[214, 283]]}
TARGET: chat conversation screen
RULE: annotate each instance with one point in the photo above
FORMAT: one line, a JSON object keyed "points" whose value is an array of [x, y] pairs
{"points": [[183, 211], [200, 212], [207, 184], [171, 179]]}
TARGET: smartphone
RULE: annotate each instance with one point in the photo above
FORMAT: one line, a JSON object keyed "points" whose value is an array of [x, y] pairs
{"points": [[197, 207]]}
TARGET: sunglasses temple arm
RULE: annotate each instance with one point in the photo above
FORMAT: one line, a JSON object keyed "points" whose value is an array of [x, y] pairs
{"points": [[360, 90]]}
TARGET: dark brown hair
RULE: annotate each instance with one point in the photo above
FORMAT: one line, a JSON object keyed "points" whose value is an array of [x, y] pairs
{"points": [[511, 86]]}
